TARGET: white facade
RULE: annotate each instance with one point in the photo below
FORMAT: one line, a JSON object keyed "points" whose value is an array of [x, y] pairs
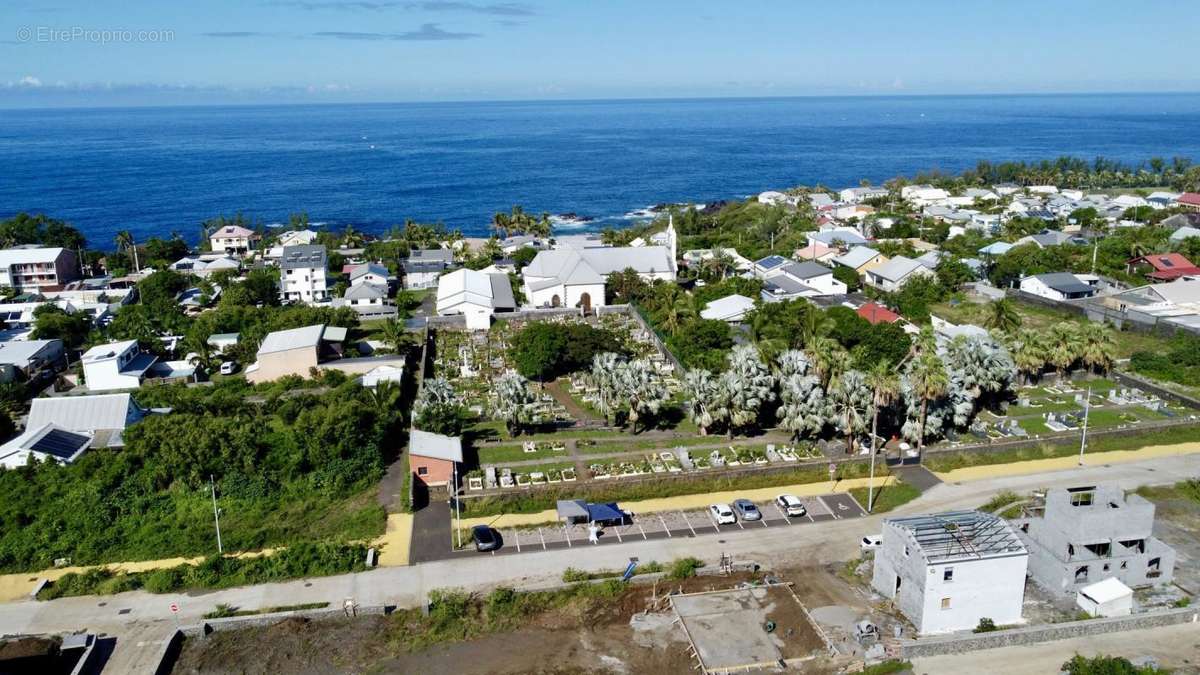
{"points": [[892, 275], [948, 571], [118, 365], [474, 295], [32, 268], [302, 275], [233, 239]]}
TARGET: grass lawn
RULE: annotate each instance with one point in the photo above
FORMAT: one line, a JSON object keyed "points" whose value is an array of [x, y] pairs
{"points": [[1035, 317], [948, 461], [887, 497], [514, 453]]}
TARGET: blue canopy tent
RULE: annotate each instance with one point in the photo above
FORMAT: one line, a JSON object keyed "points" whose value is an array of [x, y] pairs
{"points": [[579, 511], [608, 514]]}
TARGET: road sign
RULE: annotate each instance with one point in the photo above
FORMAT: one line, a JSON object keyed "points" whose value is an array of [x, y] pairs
{"points": [[174, 608], [832, 470]]}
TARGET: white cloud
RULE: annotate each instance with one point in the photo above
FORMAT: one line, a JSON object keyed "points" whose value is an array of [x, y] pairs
{"points": [[29, 81]]}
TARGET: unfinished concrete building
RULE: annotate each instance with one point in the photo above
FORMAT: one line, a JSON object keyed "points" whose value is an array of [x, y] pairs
{"points": [[1090, 533], [947, 571]]}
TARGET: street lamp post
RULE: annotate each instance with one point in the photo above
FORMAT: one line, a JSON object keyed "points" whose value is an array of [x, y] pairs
{"points": [[212, 486]]}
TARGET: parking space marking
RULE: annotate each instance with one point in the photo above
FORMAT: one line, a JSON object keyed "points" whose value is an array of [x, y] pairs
{"points": [[642, 531], [517, 539], [688, 521], [664, 524], [543, 538], [831, 511], [713, 519], [739, 523], [780, 510], [567, 532], [764, 522], [618, 531]]}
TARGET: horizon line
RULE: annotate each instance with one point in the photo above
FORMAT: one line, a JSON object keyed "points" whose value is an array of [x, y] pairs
{"points": [[616, 99]]}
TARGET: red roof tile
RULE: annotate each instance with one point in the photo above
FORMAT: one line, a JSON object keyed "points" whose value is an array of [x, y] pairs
{"points": [[1190, 198], [877, 313]]}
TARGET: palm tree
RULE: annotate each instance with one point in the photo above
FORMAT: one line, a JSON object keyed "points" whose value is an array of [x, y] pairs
{"points": [[1029, 354], [1063, 347], [205, 357], [639, 391], [1002, 316], [804, 408], [395, 335], [1099, 346], [513, 398], [677, 308], [828, 358], [749, 385], [719, 264], [701, 390], [928, 379], [385, 398], [603, 378], [124, 240], [884, 385], [850, 397], [502, 224], [815, 324]]}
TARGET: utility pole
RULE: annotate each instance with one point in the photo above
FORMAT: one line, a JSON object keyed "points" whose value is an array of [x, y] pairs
{"points": [[457, 514], [1087, 406], [212, 486]]}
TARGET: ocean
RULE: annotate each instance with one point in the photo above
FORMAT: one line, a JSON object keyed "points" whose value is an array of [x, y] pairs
{"points": [[155, 171]]}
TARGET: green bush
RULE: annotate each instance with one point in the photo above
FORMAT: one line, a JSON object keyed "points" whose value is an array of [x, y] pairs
{"points": [[572, 575], [1107, 665], [986, 625], [998, 502], [684, 568], [888, 667]]}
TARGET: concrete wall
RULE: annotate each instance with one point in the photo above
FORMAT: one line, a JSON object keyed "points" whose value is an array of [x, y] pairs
{"points": [[960, 644], [277, 364]]}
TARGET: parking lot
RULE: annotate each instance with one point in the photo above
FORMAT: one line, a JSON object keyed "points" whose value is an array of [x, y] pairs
{"points": [[670, 524]]}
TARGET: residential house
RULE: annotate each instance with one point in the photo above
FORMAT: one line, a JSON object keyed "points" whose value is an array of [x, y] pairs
{"points": [[476, 296], [893, 274], [417, 274], [1163, 266], [820, 200], [837, 237], [103, 418], [923, 195], [432, 457], [234, 239], [860, 259], [876, 313], [731, 308], [817, 252], [980, 194], [947, 571], [576, 277], [1057, 286], [296, 351], [931, 259], [1048, 238], [302, 274], [696, 257], [1184, 232], [222, 342], [1189, 200], [370, 301], [1090, 533], [296, 238], [769, 265], [117, 365], [369, 273], [1006, 189], [28, 268], [773, 198], [26, 360], [851, 212], [856, 195], [816, 280], [46, 443], [204, 266], [996, 249], [513, 244], [988, 223]]}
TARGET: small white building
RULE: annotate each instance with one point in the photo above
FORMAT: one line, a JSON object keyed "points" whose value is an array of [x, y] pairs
{"points": [[302, 274], [1105, 598], [369, 273], [117, 365], [233, 239], [204, 266], [947, 571], [475, 295], [1058, 286], [731, 308]]}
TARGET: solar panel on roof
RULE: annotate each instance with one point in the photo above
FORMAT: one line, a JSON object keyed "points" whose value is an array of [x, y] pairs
{"points": [[59, 443]]}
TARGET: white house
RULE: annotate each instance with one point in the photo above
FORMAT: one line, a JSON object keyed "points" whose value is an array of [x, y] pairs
{"points": [[369, 300], [30, 268], [575, 277], [233, 239], [731, 308], [856, 195], [474, 295], [296, 238], [1058, 286], [302, 275], [923, 195], [202, 267], [893, 274], [369, 273], [811, 274], [103, 418], [44, 443], [117, 365], [947, 571]]}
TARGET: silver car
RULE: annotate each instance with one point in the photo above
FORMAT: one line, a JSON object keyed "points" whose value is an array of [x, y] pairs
{"points": [[746, 509]]}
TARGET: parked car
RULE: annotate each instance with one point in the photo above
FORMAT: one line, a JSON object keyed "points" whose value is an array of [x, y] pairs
{"points": [[747, 510], [228, 368], [722, 514], [871, 542], [486, 539], [791, 505]]}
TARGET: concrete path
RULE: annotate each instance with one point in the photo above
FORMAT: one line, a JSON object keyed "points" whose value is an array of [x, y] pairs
{"points": [[917, 476], [430, 533]]}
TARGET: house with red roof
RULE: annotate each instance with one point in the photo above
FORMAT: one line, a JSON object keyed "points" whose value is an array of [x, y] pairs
{"points": [[1163, 266], [1189, 200], [877, 313]]}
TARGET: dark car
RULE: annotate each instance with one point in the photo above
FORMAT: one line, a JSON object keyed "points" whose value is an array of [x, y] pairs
{"points": [[486, 539]]}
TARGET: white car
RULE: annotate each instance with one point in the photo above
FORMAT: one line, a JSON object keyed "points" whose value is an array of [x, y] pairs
{"points": [[722, 514], [791, 505], [228, 368], [871, 542]]}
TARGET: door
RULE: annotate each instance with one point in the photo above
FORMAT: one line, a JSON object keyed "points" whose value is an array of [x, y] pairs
{"points": [[585, 301]]}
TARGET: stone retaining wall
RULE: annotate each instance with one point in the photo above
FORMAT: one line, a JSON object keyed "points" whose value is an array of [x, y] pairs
{"points": [[958, 644], [1131, 380]]}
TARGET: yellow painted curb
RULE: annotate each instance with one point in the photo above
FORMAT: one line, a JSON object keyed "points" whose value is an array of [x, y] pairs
{"points": [[685, 502], [972, 473], [395, 543]]}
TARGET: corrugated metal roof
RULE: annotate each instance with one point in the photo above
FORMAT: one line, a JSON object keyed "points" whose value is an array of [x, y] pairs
{"points": [[426, 444], [84, 413], [296, 338]]}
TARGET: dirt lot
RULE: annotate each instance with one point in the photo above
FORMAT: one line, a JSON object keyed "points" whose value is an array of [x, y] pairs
{"points": [[615, 635]]}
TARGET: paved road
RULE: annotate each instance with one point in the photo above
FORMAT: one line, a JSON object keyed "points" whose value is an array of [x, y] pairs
{"points": [[431, 533], [826, 542]]}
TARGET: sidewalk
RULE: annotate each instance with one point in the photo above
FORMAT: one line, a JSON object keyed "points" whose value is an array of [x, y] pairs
{"points": [[688, 502], [1033, 466]]}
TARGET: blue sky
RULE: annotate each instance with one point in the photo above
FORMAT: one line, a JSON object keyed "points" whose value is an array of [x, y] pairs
{"points": [[55, 52]]}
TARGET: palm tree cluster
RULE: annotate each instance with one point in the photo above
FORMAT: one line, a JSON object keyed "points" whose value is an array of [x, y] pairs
{"points": [[519, 222], [818, 392], [438, 407], [1062, 347], [513, 401], [628, 389]]}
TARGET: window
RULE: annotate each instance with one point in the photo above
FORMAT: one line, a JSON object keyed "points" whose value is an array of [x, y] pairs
{"points": [[945, 603], [906, 551], [422, 471], [1082, 496], [948, 574]]}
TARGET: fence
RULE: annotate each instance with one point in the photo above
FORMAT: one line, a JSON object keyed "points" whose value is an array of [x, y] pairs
{"points": [[958, 644]]}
